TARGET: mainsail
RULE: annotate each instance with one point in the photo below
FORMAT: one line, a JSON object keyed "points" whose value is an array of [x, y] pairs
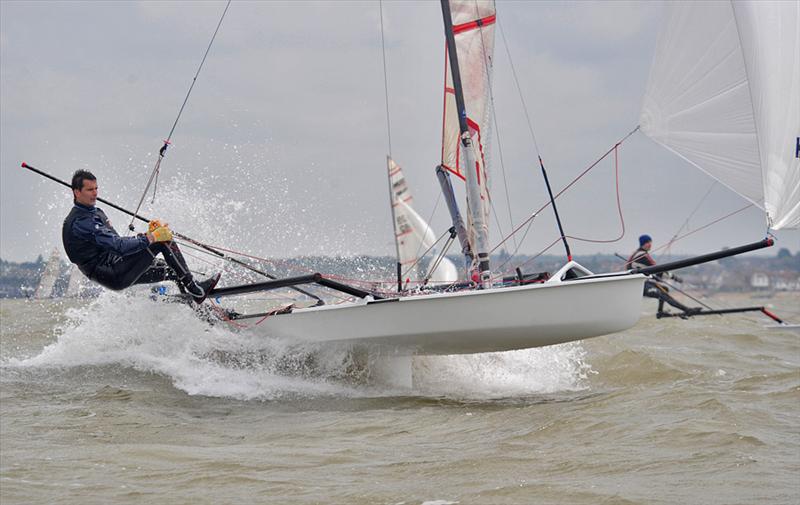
{"points": [[473, 29], [413, 235], [724, 94]]}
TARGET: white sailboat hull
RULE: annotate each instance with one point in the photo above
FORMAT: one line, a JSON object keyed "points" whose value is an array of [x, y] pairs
{"points": [[476, 321]]}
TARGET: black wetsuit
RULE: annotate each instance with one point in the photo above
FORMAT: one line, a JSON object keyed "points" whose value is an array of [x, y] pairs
{"points": [[652, 288], [118, 262]]}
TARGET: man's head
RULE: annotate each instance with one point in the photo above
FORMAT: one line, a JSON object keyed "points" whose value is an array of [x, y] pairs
{"points": [[84, 187], [645, 242]]}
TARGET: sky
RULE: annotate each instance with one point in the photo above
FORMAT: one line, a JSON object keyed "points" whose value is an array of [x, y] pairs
{"points": [[281, 149]]}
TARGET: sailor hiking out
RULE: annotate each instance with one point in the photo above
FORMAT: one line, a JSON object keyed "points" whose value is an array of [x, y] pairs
{"points": [[117, 262], [652, 287]]}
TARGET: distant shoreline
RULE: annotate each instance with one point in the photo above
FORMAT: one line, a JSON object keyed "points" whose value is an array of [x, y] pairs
{"points": [[746, 273]]}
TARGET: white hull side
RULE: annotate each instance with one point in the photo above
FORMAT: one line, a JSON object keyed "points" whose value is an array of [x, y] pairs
{"points": [[492, 320]]}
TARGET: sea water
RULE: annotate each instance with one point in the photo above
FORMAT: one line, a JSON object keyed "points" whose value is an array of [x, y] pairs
{"points": [[124, 400]]}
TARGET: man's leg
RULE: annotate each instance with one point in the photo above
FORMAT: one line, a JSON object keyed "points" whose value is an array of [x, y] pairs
{"points": [[675, 303], [172, 255], [653, 290], [120, 272], [159, 271]]}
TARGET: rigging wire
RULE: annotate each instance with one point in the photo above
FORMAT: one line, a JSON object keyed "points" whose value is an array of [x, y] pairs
{"points": [[162, 152], [527, 224], [419, 257], [487, 64], [726, 216], [536, 146], [503, 167], [519, 89], [567, 187], [553, 243], [441, 256], [385, 82], [715, 221], [427, 227], [398, 263], [686, 222]]}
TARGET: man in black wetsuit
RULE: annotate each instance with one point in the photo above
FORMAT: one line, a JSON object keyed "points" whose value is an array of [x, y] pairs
{"points": [[118, 262], [652, 288]]}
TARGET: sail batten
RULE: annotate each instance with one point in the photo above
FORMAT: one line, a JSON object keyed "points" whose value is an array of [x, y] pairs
{"points": [[723, 95]]}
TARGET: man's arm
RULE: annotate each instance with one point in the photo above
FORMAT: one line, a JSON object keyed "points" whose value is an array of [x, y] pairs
{"points": [[95, 230], [640, 258]]}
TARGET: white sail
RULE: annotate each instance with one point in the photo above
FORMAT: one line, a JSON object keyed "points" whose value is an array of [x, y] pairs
{"points": [[770, 36], [77, 283], [473, 28], [49, 276], [723, 94], [413, 235]]}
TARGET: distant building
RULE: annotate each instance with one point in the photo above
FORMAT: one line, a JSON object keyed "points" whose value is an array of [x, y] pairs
{"points": [[786, 281], [759, 280]]}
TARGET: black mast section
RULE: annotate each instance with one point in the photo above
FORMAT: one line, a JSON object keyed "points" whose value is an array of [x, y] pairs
{"points": [[555, 210], [452, 55]]}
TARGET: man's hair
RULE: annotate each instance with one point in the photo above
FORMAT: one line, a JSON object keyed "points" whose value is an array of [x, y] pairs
{"points": [[79, 176]]}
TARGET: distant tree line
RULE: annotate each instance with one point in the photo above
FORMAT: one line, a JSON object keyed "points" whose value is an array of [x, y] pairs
{"points": [[18, 280]]}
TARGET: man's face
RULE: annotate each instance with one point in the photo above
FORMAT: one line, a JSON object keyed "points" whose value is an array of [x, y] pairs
{"points": [[646, 246], [87, 195]]}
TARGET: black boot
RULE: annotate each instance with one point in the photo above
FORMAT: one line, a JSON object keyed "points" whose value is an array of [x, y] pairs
{"points": [[200, 290]]}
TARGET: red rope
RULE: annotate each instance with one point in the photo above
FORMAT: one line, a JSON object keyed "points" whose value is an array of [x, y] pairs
{"points": [[572, 183], [619, 208], [223, 316]]}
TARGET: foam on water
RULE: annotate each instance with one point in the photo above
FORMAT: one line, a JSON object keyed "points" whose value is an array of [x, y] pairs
{"points": [[544, 370], [168, 339], [133, 332]]}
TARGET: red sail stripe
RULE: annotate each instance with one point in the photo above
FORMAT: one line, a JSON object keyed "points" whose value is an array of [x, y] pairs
{"points": [[471, 25], [444, 102], [455, 172]]}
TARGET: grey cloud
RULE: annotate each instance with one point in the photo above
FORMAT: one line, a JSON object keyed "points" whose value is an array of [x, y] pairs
{"points": [[297, 87]]}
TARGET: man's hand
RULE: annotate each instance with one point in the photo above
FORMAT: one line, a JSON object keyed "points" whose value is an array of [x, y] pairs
{"points": [[155, 223], [160, 234]]}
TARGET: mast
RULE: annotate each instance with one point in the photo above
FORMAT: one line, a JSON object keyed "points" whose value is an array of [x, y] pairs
{"points": [[472, 175], [392, 198]]}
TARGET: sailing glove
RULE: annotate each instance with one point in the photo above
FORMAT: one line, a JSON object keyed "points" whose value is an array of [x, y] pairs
{"points": [[155, 223], [161, 234]]}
